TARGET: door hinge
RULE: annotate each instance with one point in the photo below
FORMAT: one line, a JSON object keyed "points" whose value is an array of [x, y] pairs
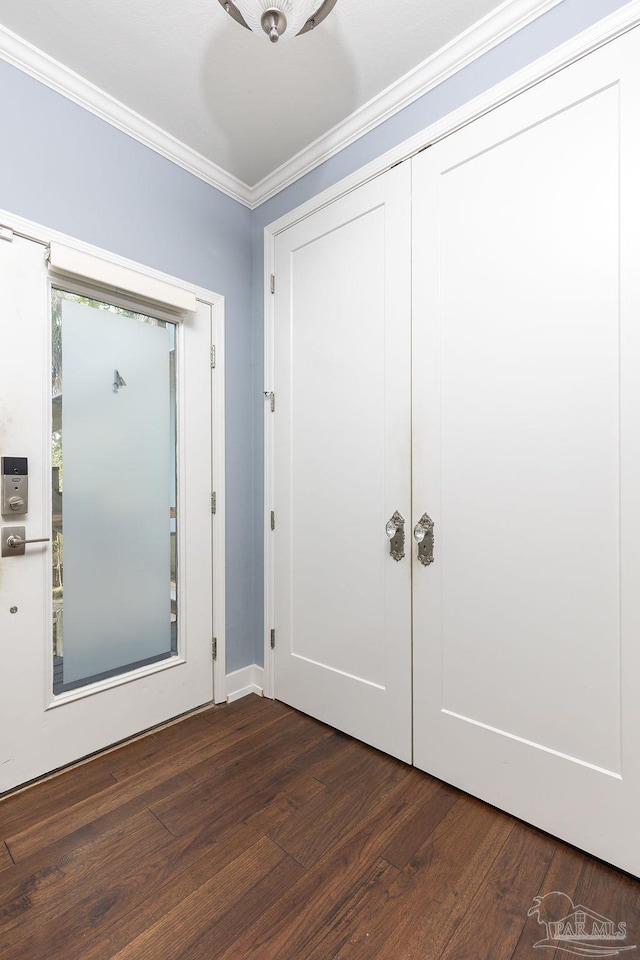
{"points": [[273, 519], [214, 648], [273, 283], [6, 233], [273, 639], [271, 397], [214, 502], [213, 357]]}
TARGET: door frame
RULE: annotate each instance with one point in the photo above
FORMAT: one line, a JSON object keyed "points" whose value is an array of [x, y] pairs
{"points": [[45, 235], [605, 30]]}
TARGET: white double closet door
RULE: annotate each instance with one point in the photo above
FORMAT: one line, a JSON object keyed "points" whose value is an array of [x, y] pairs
{"points": [[511, 415]]}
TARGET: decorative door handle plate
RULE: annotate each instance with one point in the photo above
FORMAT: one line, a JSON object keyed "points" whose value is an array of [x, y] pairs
{"points": [[423, 535], [395, 532]]}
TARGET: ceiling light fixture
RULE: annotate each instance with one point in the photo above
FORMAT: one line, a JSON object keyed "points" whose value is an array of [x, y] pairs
{"points": [[279, 18]]}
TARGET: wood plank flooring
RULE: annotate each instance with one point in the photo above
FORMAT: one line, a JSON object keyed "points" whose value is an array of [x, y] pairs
{"points": [[252, 831]]}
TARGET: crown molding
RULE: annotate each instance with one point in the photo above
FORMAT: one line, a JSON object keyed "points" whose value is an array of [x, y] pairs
{"points": [[506, 20], [612, 26], [497, 26], [55, 75]]}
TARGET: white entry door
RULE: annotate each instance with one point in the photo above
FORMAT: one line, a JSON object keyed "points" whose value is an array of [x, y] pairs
{"points": [[342, 464], [106, 415], [527, 455]]}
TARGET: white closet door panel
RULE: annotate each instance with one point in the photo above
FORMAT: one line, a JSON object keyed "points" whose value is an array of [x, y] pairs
{"points": [[342, 463], [526, 431]]}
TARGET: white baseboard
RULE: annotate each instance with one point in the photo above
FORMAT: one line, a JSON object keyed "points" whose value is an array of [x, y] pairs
{"points": [[242, 682]]}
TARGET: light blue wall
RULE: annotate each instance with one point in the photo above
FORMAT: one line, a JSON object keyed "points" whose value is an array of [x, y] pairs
{"points": [[63, 167], [561, 23]]}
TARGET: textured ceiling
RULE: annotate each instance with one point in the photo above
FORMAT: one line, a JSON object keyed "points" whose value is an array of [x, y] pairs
{"points": [[242, 103]]}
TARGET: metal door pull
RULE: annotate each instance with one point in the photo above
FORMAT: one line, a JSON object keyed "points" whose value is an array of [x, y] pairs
{"points": [[19, 542], [423, 535], [395, 532], [13, 541]]}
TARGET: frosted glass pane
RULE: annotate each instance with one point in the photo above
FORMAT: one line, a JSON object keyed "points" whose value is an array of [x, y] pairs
{"points": [[117, 504]]}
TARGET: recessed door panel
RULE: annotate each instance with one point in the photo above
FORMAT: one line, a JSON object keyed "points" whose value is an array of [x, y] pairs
{"points": [[338, 439]]}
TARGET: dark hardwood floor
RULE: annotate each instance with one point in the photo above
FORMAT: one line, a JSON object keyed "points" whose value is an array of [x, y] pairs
{"points": [[250, 830]]}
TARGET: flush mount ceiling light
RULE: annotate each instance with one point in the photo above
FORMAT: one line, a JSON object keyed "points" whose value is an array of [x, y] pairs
{"points": [[279, 18]]}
